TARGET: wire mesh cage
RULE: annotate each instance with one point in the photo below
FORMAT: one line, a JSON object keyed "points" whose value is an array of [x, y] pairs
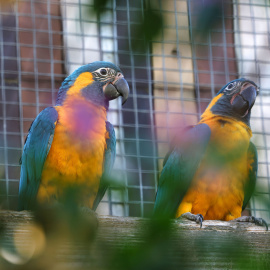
{"points": [[188, 51]]}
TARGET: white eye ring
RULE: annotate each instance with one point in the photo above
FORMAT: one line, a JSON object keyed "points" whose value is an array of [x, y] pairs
{"points": [[102, 71], [230, 86]]}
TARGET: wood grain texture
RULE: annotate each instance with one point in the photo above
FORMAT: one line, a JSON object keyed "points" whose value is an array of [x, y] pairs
{"points": [[218, 245]]}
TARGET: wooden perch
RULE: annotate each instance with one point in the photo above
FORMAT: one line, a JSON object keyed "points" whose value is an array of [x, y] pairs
{"points": [[205, 246], [14, 218]]}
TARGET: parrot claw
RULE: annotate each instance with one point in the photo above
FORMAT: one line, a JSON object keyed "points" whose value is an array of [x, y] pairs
{"points": [[261, 222], [197, 218], [256, 221]]}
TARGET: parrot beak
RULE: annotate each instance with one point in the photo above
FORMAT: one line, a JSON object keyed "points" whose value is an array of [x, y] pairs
{"points": [[119, 87], [244, 101]]}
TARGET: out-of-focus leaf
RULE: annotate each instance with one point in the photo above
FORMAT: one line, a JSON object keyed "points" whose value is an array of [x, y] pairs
{"points": [[146, 29], [100, 6], [151, 24], [68, 217]]}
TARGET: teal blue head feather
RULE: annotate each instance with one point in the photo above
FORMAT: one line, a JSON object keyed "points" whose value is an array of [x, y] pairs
{"points": [[107, 83]]}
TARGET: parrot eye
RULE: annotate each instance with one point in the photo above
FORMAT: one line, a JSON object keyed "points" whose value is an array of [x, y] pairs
{"points": [[103, 71], [230, 86], [104, 74]]}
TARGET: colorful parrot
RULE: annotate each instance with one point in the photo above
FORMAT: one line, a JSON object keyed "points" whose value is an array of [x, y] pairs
{"points": [[72, 143], [211, 173]]}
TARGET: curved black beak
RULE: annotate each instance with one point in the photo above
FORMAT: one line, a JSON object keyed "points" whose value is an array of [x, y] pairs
{"points": [[249, 95], [118, 88], [244, 101]]}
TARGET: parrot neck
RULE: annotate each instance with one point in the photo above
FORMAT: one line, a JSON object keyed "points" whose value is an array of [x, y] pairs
{"points": [[94, 93], [209, 117], [81, 118], [221, 108], [90, 92], [61, 96]]}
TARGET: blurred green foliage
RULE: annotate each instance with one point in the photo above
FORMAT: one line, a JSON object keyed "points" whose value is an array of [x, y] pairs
{"points": [[73, 241], [99, 6], [143, 29], [150, 26], [145, 245], [67, 236]]}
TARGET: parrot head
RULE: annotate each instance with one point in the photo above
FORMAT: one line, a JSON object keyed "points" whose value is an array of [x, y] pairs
{"points": [[235, 100], [99, 82]]}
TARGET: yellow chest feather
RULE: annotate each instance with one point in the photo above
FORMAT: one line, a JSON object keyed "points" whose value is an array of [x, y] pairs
{"points": [[216, 190], [77, 151]]}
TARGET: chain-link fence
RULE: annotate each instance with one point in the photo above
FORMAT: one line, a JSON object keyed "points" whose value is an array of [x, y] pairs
{"points": [[196, 46]]}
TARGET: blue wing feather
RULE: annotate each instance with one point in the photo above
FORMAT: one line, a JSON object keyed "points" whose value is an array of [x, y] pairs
{"points": [[36, 149], [179, 170], [109, 157]]}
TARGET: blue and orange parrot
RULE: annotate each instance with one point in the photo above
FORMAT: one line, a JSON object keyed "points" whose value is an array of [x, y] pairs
{"points": [[72, 143], [211, 173]]}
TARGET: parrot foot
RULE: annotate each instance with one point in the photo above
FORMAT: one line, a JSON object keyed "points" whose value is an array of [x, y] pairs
{"points": [[257, 221], [197, 218]]}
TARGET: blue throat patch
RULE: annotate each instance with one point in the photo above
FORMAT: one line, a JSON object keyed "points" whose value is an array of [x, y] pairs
{"points": [[223, 107]]}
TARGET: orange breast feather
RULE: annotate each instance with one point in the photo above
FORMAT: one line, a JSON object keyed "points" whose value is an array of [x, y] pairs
{"points": [[77, 151], [216, 190]]}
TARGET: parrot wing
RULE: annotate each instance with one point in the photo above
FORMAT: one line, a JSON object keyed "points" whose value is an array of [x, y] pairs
{"points": [[173, 143], [36, 148], [179, 170], [109, 157], [252, 175]]}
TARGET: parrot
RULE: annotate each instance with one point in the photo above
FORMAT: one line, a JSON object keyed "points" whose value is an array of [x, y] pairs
{"points": [[72, 143], [210, 172]]}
